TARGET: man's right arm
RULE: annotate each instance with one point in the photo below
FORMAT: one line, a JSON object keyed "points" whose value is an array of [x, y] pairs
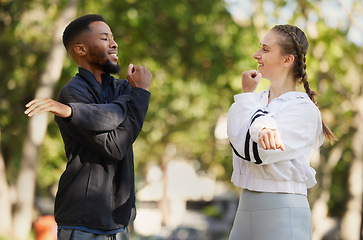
{"points": [[106, 117], [87, 123], [109, 129], [114, 143], [73, 106]]}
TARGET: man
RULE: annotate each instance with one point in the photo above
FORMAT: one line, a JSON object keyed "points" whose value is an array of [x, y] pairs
{"points": [[99, 118]]}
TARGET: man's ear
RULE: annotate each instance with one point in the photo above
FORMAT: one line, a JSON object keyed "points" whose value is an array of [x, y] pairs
{"points": [[79, 49], [289, 60]]}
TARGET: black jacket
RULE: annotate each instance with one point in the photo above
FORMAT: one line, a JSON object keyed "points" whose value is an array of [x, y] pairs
{"points": [[97, 188]]}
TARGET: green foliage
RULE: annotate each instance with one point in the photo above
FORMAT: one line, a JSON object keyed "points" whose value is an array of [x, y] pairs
{"points": [[52, 162], [23, 50], [196, 53], [191, 49], [212, 211]]}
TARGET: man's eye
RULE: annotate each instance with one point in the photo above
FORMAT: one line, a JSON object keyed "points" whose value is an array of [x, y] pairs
{"points": [[104, 39]]}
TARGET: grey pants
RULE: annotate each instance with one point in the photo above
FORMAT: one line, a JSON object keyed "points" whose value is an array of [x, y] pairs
{"points": [[272, 216], [69, 234]]}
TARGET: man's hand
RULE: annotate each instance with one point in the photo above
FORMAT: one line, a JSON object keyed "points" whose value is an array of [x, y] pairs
{"points": [[139, 76], [42, 105], [250, 80], [270, 139]]}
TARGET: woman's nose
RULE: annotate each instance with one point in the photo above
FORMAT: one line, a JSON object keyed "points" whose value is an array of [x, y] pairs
{"points": [[256, 55]]}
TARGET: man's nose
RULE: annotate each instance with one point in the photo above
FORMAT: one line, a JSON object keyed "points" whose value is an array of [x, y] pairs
{"points": [[113, 44]]}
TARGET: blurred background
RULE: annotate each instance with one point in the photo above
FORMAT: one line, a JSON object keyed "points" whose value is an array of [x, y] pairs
{"points": [[196, 51]]}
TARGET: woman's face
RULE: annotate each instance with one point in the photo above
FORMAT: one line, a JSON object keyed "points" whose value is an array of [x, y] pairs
{"points": [[269, 58]]}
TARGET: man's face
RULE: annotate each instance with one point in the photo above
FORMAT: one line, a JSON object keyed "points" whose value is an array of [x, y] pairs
{"points": [[102, 49]]}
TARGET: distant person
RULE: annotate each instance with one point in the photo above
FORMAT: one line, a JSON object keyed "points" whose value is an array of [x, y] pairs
{"points": [[99, 118], [273, 134]]}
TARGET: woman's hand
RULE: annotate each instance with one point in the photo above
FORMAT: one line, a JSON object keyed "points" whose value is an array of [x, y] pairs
{"points": [[250, 80], [270, 139]]}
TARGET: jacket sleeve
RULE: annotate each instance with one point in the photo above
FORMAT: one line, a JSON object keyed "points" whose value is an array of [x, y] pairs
{"points": [[239, 119], [106, 117], [110, 129], [299, 124], [100, 117], [300, 128]]}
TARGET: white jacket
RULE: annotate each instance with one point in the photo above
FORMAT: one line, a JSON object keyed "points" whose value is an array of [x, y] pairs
{"points": [[299, 122]]}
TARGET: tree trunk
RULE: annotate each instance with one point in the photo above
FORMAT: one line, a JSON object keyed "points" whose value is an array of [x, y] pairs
{"points": [[352, 219], [164, 202], [5, 201], [320, 208], [351, 222], [37, 128]]}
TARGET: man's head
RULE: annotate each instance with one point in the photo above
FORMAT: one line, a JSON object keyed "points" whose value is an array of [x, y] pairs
{"points": [[89, 41]]}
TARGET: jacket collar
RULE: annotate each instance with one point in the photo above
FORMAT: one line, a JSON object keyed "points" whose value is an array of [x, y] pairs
{"points": [[289, 95], [91, 79], [103, 93]]}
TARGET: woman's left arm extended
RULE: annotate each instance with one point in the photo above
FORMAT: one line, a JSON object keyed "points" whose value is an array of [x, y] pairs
{"points": [[298, 128]]}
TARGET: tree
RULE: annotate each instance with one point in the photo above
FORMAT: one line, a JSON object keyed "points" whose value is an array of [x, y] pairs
{"points": [[196, 52], [20, 222], [334, 66], [189, 47]]}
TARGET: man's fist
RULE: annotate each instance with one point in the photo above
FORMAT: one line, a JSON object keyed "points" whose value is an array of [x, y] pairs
{"points": [[139, 76]]}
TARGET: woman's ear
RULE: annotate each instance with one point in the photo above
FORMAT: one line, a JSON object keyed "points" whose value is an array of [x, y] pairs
{"points": [[289, 60], [79, 49]]}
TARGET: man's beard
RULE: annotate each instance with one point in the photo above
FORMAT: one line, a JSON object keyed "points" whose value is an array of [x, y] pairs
{"points": [[109, 67]]}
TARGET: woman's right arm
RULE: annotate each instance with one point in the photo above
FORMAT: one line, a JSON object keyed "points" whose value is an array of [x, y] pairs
{"points": [[239, 116], [241, 111]]}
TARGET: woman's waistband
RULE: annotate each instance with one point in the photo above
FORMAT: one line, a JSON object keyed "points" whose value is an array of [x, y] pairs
{"points": [[250, 200]]}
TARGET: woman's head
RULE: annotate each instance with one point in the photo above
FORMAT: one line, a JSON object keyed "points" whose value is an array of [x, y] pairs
{"points": [[271, 62], [283, 52], [292, 41]]}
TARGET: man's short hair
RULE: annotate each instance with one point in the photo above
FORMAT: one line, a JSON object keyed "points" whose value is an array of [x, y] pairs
{"points": [[78, 26]]}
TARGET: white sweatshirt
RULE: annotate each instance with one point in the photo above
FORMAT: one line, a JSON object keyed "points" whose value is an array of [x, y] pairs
{"points": [[299, 122]]}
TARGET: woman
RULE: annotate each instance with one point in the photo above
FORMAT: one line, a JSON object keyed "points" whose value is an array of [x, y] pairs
{"points": [[272, 134]]}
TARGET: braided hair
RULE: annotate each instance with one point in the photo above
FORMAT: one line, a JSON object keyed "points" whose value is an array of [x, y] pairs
{"points": [[292, 40]]}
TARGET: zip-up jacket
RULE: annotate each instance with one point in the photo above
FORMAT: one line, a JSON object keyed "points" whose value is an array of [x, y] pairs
{"points": [[299, 122], [97, 190]]}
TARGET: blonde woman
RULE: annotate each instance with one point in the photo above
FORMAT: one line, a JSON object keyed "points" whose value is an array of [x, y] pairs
{"points": [[272, 134]]}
